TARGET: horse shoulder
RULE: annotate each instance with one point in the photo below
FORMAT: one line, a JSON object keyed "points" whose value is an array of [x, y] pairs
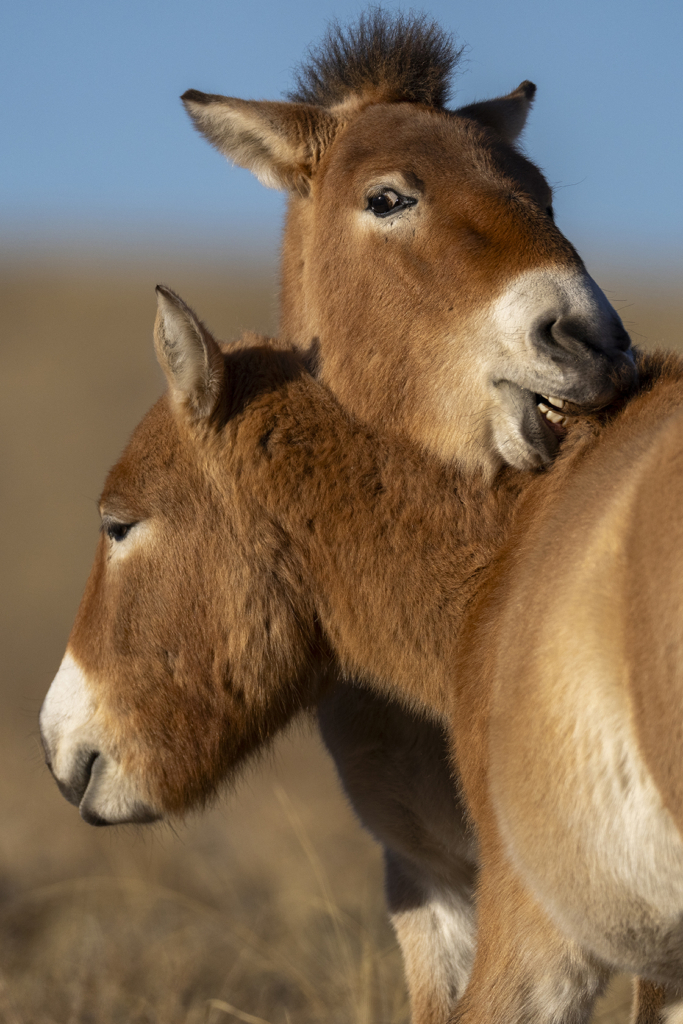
{"points": [[581, 736]]}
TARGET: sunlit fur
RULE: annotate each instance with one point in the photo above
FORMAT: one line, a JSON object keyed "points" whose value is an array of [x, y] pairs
{"points": [[284, 542], [202, 637], [414, 321], [444, 318], [395, 58], [568, 731]]}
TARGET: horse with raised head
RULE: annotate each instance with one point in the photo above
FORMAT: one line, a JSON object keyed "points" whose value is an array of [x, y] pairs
{"points": [[305, 543], [424, 274], [421, 263]]}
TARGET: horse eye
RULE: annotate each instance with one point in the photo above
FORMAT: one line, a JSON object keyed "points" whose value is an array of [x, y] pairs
{"points": [[385, 202], [117, 531], [551, 213]]}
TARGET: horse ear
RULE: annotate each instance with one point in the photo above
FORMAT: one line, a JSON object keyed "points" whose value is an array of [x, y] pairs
{"points": [[280, 143], [188, 355], [506, 115]]}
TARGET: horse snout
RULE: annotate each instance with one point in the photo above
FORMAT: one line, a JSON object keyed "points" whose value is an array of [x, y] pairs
{"points": [[78, 752], [74, 781], [622, 339], [593, 360], [111, 798], [577, 337], [92, 783]]}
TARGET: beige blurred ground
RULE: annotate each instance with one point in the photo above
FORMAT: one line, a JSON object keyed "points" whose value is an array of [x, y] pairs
{"points": [[271, 903]]}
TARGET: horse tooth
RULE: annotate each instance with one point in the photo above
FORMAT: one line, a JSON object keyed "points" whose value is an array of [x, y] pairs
{"points": [[558, 402], [554, 417], [544, 408]]}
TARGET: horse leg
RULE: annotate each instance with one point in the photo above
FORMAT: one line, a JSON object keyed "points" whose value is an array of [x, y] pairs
{"points": [[395, 769], [656, 1004], [436, 930], [524, 970]]}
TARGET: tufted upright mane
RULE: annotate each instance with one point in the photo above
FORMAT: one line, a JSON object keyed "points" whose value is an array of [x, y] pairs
{"points": [[392, 57]]}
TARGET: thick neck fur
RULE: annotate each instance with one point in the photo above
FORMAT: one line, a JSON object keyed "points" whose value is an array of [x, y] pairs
{"points": [[272, 540], [391, 545], [387, 543]]}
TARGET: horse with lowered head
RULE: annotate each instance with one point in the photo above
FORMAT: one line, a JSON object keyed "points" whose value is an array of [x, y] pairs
{"points": [[307, 543]]}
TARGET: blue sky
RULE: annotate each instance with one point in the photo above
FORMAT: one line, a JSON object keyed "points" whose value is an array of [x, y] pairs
{"points": [[96, 147]]}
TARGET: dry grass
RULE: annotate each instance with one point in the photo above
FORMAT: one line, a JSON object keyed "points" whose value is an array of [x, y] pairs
{"points": [[268, 908], [270, 904]]}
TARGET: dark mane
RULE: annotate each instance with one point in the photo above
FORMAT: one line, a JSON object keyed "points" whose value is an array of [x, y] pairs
{"points": [[400, 57]]}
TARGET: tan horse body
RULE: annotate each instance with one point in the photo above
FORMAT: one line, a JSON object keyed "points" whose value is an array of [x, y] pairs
{"points": [[424, 274], [568, 731], [302, 543]]}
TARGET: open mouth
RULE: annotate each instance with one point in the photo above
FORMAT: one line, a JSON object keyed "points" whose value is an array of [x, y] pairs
{"points": [[530, 426], [550, 410]]}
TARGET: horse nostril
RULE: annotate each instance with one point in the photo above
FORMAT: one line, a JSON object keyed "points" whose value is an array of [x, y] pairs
{"points": [[570, 331], [545, 331], [574, 335], [73, 789], [564, 332], [622, 341]]}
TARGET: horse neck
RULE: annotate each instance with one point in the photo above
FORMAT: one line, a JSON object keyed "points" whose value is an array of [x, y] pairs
{"points": [[391, 544], [395, 600]]}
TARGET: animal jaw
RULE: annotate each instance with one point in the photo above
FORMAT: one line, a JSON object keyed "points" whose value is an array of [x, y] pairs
{"points": [[562, 372]]}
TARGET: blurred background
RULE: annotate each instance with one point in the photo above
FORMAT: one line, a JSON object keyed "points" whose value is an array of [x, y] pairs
{"points": [[268, 908]]}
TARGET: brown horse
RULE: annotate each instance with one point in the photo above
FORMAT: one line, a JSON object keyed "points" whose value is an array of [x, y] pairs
{"points": [[423, 272], [244, 440], [421, 263], [301, 542]]}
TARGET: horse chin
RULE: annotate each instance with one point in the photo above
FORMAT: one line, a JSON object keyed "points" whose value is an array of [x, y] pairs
{"points": [[111, 800], [138, 814], [522, 435]]}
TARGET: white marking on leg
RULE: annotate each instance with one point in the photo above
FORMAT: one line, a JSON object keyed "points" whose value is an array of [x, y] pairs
{"points": [[438, 941]]}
